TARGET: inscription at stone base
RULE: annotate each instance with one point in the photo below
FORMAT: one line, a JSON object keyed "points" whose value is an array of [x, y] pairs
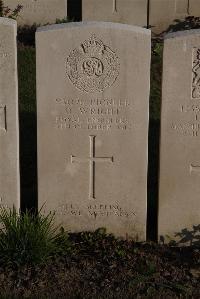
{"points": [[94, 211]]}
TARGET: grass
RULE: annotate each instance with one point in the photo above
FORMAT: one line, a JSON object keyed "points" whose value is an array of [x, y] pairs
{"points": [[39, 260], [28, 238], [49, 263], [88, 264], [156, 80], [27, 79]]}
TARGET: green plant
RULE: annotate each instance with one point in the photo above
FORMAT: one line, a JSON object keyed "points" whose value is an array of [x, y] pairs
{"points": [[64, 20], [5, 11], [188, 23], [26, 34], [29, 238], [156, 77]]}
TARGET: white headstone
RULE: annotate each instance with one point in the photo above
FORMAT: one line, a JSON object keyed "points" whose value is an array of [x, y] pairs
{"points": [[163, 13], [92, 93], [9, 128], [179, 202], [194, 7], [39, 11], [132, 12]]}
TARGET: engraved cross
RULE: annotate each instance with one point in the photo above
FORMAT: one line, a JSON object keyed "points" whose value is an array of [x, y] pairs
{"points": [[194, 169], [188, 7], [3, 123], [92, 159], [114, 6]]}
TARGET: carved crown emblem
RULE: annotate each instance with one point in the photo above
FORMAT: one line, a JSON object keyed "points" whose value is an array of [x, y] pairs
{"points": [[93, 66]]}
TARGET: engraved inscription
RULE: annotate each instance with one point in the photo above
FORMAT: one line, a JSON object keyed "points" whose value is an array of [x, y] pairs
{"points": [[102, 210], [187, 128], [92, 159], [95, 211], [93, 66], [4, 54], [37, 6], [96, 114], [68, 209], [191, 127], [196, 73], [3, 123]]}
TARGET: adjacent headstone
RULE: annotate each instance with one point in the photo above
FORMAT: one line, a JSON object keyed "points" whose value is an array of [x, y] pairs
{"points": [[92, 94], [39, 11], [158, 14], [132, 12], [9, 128], [179, 202], [163, 13], [194, 8]]}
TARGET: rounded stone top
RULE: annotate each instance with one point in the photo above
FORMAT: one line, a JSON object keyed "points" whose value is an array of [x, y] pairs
{"points": [[108, 25], [7, 21], [182, 34]]}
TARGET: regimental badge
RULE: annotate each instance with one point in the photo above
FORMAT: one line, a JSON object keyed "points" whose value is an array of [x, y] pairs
{"points": [[93, 66], [196, 74]]}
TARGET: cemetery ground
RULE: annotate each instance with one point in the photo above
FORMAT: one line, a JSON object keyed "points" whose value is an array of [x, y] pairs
{"points": [[38, 263]]}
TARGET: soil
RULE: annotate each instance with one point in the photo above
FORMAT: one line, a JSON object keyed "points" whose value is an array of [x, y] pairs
{"points": [[99, 266]]}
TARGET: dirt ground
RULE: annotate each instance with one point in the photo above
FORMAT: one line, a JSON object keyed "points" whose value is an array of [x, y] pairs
{"points": [[97, 266]]}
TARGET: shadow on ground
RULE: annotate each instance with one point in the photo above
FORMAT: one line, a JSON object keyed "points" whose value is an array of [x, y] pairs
{"points": [[186, 237]]}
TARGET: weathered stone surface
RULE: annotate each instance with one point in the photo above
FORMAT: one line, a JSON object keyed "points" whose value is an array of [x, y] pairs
{"points": [[39, 11], [194, 8], [179, 203], [93, 125], [9, 128], [162, 13], [132, 12]]}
